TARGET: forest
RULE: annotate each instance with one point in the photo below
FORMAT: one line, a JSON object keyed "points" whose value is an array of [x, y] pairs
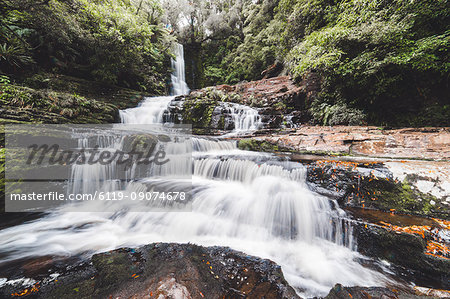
{"points": [[379, 62], [224, 149]]}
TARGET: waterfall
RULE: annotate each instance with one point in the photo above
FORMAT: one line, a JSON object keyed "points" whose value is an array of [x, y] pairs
{"points": [[153, 109], [248, 201], [150, 111], [244, 119], [179, 86], [253, 202]]}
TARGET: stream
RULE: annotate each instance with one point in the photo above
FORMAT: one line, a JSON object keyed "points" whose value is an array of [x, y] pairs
{"points": [[253, 202]]}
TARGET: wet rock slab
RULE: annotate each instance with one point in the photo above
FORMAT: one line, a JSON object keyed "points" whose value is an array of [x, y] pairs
{"points": [[417, 143], [164, 271], [407, 252], [342, 292]]}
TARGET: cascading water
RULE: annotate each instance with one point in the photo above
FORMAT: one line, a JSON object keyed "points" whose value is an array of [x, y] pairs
{"points": [[179, 86], [245, 119], [252, 202], [152, 110]]}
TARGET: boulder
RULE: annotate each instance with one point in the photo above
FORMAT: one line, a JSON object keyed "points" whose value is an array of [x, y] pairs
{"points": [[164, 270]]}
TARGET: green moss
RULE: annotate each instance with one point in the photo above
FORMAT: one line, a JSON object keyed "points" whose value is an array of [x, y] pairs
{"points": [[386, 195], [26, 104], [251, 144], [198, 112], [144, 143], [112, 270], [279, 106], [221, 123], [82, 289]]}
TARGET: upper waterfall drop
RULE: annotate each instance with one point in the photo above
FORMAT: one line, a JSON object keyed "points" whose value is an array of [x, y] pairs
{"points": [[153, 109], [179, 85]]}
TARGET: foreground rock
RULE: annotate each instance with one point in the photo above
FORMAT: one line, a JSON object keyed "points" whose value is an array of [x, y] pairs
{"points": [[417, 252], [176, 271], [342, 292], [165, 271]]}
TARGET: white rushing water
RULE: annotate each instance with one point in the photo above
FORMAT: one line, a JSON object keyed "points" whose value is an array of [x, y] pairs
{"points": [[152, 110], [249, 201], [245, 119], [179, 86]]}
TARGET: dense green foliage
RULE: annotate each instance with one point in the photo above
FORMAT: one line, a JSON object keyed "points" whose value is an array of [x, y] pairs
{"points": [[236, 42], [381, 62], [387, 58], [374, 61], [114, 41]]}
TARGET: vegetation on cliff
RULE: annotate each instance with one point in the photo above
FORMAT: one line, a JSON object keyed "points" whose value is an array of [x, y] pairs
{"points": [[116, 42], [373, 61], [59, 60], [377, 61]]}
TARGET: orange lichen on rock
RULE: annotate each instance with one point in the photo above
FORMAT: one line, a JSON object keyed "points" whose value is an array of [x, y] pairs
{"points": [[337, 163], [437, 249], [27, 291], [443, 223], [434, 247], [413, 229]]}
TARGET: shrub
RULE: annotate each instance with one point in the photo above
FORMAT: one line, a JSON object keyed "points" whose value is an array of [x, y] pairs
{"points": [[337, 114], [111, 41]]}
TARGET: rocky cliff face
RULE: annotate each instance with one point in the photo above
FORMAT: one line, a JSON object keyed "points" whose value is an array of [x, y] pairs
{"points": [[278, 101]]}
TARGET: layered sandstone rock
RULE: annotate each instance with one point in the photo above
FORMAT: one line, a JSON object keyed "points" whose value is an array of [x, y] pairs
{"points": [[420, 143]]}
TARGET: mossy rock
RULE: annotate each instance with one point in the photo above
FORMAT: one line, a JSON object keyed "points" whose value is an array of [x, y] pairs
{"points": [[356, 185], [198, 112], [401, 197], [20, 104], [250, 144], [118, 96]]}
